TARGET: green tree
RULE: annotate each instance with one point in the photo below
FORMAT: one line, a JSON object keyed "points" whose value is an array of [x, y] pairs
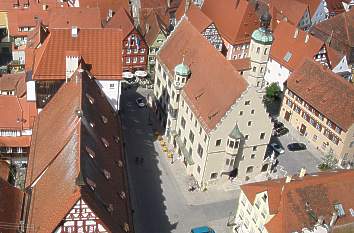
{"points": [[329, 161], [273, 91]]}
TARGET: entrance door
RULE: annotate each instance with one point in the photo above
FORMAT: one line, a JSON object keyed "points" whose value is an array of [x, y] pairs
{"points": [[287, 116], [303, 129]]}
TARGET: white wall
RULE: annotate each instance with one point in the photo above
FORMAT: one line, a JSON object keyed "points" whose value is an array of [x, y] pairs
{"points": [[112, 89], [19, 55], [31, 90], [276, 73], [320, 14], [342, 66]]}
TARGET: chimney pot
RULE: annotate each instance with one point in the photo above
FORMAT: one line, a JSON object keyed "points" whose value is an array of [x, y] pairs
{"points": [[74, 31]]}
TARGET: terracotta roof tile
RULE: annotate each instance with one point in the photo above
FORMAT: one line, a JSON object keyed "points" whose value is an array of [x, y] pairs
{"points": [[99, 48], [74, 16], [16, 113], [13, 82], [21, 141], [335, 6], [68, 155], [333, 187], [292, 10], [241, 12], [338, 32], [105, 6], [312, 5], [326, 91], [4, 170], [152, 26], [10, 206], [121, 20], [198, 19], [241, 64], [285, 43], [214, 84]]}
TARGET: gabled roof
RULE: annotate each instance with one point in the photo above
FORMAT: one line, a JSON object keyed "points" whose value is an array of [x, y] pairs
{"points": [[312, 5], [324, 90], [10, 207], [336, 6], [214, 85], [338, 32], [152, 26], [16, 113], [198, 19], [241, 64], [320, 191], [88, 150], [121, 20], [99, 48], [13, 82], [74, 16], [292, 10], [241, 13], [105, 6], [290, 46]]}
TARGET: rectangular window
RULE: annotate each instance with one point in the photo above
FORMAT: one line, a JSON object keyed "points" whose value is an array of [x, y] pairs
{"points": [[200, 130], [241, 113], [289, 103], [127, 60], [218, 142], [200, 151], [142, 59], [213, 175], [231, 144], [262, 136], [183, 123], [191, 136], [248, 102], [135, 59]]}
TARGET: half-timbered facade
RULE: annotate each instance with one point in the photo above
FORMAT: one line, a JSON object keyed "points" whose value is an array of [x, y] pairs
{"points": [[81, 219], [213, 36], [134, 49]]}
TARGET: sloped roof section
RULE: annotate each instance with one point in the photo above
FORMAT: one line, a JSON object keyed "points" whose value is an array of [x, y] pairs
{"points": [[326, 91], [75, 16], [101, 50], [291, 45], [338, 32], [235, 19], [334, 187], [89, 152], [121, 20], [214, 85], [198, 19], [289, 9], [151, 26], [10, 206]]}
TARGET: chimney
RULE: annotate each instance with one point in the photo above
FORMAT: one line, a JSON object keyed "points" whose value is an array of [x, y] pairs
{"points": [[302, 172], [288, 179], [307, 38], [72, 60], [74, 31], [333, 219], [110, 13], [44, 7], [296, 33]]}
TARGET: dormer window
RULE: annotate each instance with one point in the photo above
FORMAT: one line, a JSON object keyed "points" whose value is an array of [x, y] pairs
{"points": [[109, 208], [106, 174], [116, 139], [104, 119], [90, 152], [92, 124], [119, 163], [122, 195], [91, 184], [105, 142], [90, 98]]}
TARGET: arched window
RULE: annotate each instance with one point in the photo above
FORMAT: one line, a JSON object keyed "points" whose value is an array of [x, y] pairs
{"points": [[265, 51], [258, 49], [254, 69], [261, 69]]}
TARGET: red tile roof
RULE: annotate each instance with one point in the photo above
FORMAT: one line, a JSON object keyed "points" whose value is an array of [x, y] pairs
{"points": [[292, 10], [289, 199], [21, 141], [312, 5], [326, 91], [13, 82], [198, 19], [68, 154], [121, 20], [10, 207], [214, 84], [241, 64], [151, 26], [75, 16], [338, 32], [241, 13], [100, 48], [105, 6], [4, 169], [335, 6], [16, 113], [284, 42]]}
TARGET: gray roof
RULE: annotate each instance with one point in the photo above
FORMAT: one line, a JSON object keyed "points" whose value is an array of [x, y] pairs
{"points": [[236, 133]]}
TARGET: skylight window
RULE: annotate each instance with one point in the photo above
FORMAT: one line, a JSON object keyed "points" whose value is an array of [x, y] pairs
{"points": [[339, 208], [90, 98], [91, 184], [109, 208], [287, 56], [119, 163], [104, 119], [351, 212], [105, 142], [90, 152], [116, 139], [122, 195], [106, 174]]}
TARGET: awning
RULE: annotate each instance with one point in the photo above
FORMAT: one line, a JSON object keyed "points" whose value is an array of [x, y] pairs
{"points": [[140, 73], [22, 141], [184, 151], [128, 75]]}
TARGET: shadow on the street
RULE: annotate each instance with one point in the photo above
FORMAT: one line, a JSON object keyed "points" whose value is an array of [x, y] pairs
{"points": [[143, 171]]}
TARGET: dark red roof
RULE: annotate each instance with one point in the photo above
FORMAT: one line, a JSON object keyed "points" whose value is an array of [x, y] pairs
{"points": [[49, 159]]}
